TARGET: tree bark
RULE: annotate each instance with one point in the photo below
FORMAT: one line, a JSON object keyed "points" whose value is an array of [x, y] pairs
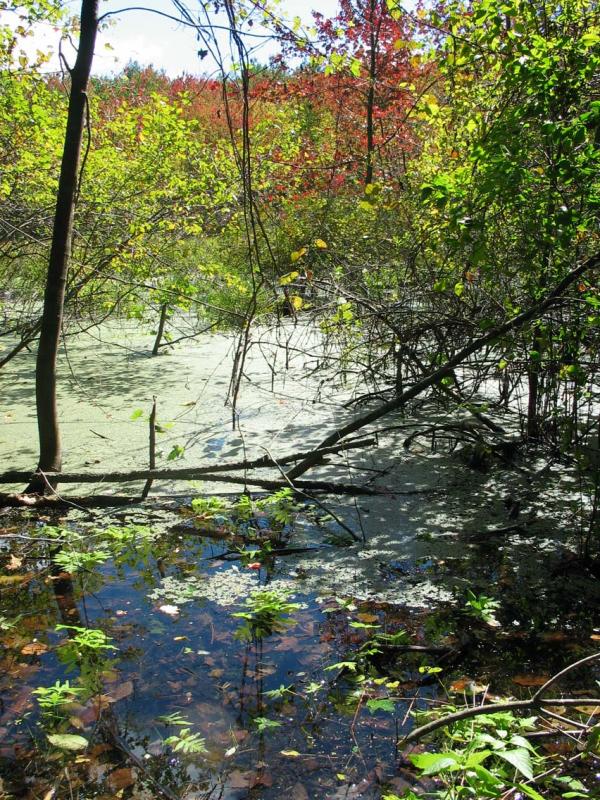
{"points": [[161, 328], [45, 389]]}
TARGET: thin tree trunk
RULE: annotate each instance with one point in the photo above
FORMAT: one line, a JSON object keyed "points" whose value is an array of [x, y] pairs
{"points": [[152, 448], [161, 328], [373, 43], [533, 386], [47, 413]]}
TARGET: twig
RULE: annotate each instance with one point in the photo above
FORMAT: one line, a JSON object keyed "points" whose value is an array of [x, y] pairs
{"points": [[514, 705]]}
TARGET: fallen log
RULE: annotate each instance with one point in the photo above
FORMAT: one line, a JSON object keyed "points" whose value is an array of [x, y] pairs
{"points": [[16, 500], [444, 371], [189, 473]]}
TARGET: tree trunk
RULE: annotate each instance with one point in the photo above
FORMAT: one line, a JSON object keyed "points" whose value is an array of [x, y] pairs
{"points": [[161, 328], [373, 44], [45, 377]]}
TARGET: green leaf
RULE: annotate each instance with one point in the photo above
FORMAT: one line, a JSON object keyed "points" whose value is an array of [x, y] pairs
{"points": [[520, 760], [432, 763], [362, 625], [475, 759], [68, 741], [590, 39], [177, 452], [263, 723], [530, 792], [351, 665], [383, 704]]}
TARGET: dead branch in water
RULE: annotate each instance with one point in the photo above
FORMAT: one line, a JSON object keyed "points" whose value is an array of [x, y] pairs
{"points": [[535, 701], [191, 473], [497, 332]]}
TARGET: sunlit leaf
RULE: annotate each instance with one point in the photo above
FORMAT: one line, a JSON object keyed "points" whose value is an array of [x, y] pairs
{"points": [[68, 741]]}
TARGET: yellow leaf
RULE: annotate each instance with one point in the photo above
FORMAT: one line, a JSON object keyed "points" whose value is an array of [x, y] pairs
{"points": [[320, 244], [290, 277], [297, 302], [290, 753], [297, 254]]}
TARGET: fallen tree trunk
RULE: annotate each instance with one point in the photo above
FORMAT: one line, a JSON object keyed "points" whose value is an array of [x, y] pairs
{"points": [[59, 501], [416, 389], [186, 473]]}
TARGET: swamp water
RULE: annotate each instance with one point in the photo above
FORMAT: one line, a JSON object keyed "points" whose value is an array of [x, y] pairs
{"points": [[276, 709]]}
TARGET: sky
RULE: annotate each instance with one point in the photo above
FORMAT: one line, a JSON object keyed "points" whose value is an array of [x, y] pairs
{"points": [[148, 38]]}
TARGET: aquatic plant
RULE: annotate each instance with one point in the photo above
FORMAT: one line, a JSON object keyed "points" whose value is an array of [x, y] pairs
{"points": [[483, 608], [53, 699], [267, 611], [184, 741]]}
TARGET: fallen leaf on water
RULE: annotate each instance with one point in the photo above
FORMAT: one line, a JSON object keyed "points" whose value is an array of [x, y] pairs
{"points": [[171, 611], [298, 792], [34, 649], [254, 565], [121, 778], [68, 741], [120, 692], [530, 680], [266, 779], [98, 749], [240, 780], [216, 673], [368, 618], [290, 753]]}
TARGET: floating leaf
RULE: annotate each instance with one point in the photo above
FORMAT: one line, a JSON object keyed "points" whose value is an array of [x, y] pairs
{"points": [[298, 792], [68, 741], [365, 617], [34, 649], [121, 779], [170, 611], [122, 691], [383, 704]]}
